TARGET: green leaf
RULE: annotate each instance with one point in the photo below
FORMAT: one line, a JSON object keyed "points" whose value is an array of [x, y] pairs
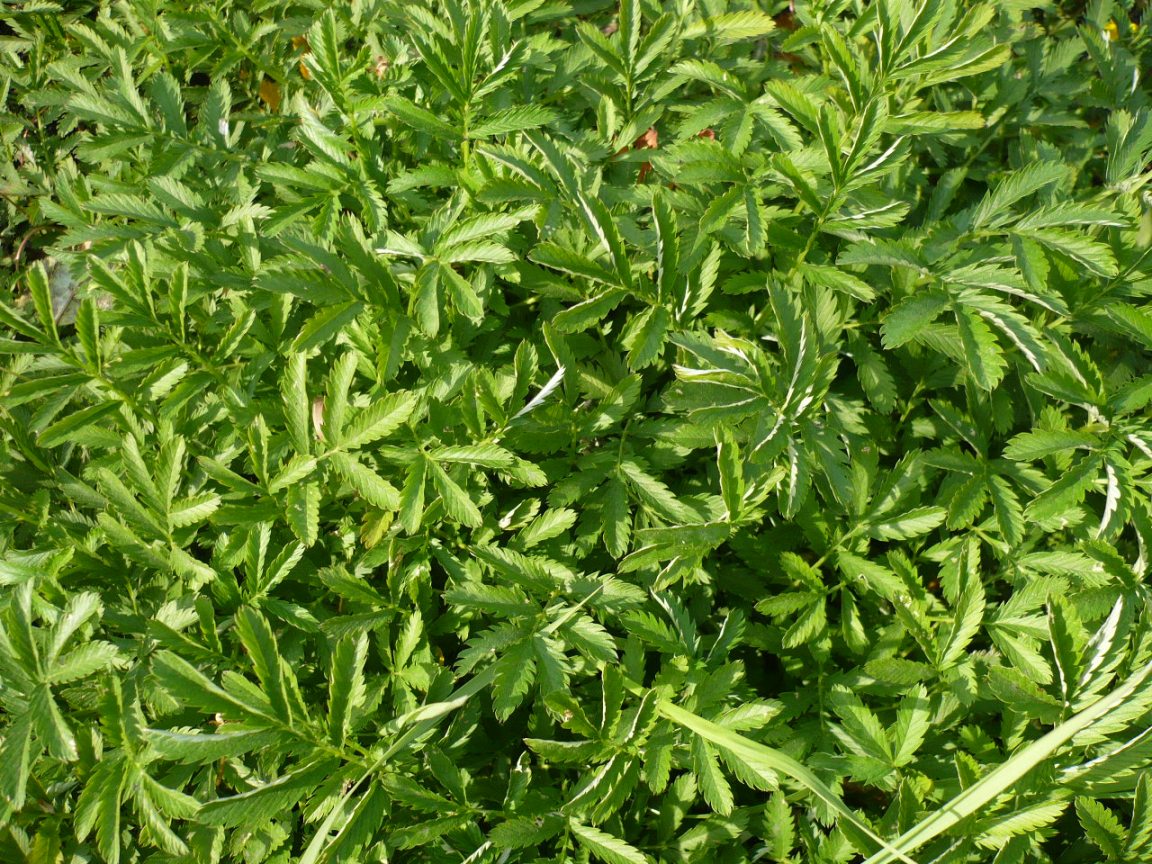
{"points": [[715, 787], [186, 683], [260, 644], [1101, 827], [967, 617], [1066, 492], [609, 849], [1097, 257], [42, 301], [1015, 186], [515, 672], [514, 119], [583, 315], [654, 494], [257, 806], [99, 807], [412, 496], [193, 509], [75, 423], [982, 354], [419, 118], [1030, 446], [324, 325], [914, 523], [932, 122], [346, 685], [645, 337], [303, 512], [617, 519], [368, 484], [197, 748], [906, 321], [730, 27], [378, 421], [456, 501], [296, 403]]}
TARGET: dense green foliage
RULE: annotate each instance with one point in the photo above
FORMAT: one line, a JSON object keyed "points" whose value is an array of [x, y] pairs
{"points": [[498, 432]]}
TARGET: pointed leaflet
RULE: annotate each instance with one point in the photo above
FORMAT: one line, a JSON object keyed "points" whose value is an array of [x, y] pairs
{"points": [[982, 354], [456, 500], [41, 291], [587, 313], [303, 512], [65, 430], [513, 119], [198, 748], [346, 690], [913, 721], [860, 729], [712, 782], [515, 672], [599, 221], [667, 247], [266, 800], [967, 616], [731, 470], [605, 51], [910, 318], [1015, 186], [731, 27], [1014, 326], [1038, 444], [1140, 829], [551, 523], [88, 332], [1097, 257], [15, 755], [195, 508], [260, 643], [1009, 513], [1066, 492], [368, 484], [645, 335], [325, 324], [654, 494], [378, 420], [1102, 827], [187, 684], [914, 523], [607, 848], [336, 401], [295, 470], [616, 518], [294, 393], [80, 609], [51, 727], [99, 807], [485, 455], [565, 260], [412, 496], [419, 118], [968, 502], [1067, 636]]}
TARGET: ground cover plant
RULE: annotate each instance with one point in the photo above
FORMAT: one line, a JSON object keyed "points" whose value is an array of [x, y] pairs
{"points": [[467, 431]]}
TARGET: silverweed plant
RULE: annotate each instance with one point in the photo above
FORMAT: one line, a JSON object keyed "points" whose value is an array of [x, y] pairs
{"points": [[522, 431]]}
